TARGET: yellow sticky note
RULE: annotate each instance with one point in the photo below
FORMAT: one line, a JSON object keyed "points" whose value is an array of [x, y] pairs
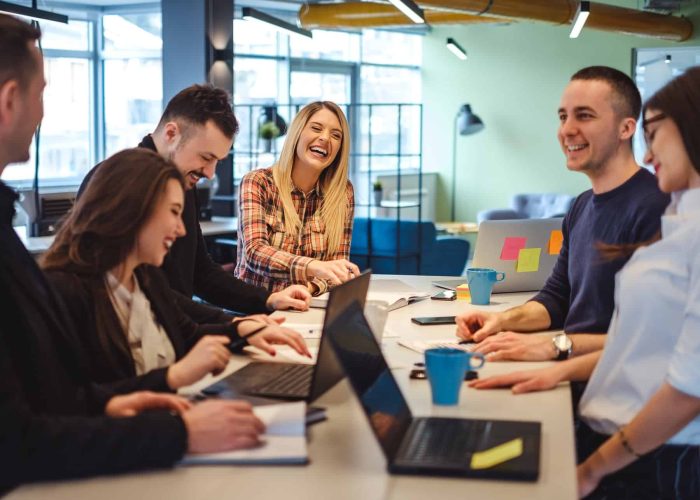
{"points": [[497, 455], [556, 238], [528, 260]]}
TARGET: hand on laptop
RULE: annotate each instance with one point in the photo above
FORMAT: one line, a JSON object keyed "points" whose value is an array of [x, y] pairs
{"points": [[511, 346], [293, 297], [214, 426], [521, 382], [272, 334], [475, 325], [132, 404]]}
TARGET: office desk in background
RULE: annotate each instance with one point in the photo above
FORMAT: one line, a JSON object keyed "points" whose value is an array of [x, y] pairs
{"points": [[346, 461], [215, 227]]}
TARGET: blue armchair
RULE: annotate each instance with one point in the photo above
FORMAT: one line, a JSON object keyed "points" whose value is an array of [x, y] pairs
{"points": [[530, 206], [389, 246]]}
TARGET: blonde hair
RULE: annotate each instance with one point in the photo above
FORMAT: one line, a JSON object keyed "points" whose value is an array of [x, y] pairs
{"points": [[333, 181]]}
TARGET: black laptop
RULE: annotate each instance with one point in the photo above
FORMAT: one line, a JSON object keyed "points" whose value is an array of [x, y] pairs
{"points": [[294, 381], [427, 445]]}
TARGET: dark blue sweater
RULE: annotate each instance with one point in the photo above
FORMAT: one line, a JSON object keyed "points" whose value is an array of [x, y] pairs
{"points": [[579, 294]]}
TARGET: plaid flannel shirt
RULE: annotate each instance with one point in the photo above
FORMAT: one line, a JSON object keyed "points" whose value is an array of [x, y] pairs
{"points": [[268, 255]]}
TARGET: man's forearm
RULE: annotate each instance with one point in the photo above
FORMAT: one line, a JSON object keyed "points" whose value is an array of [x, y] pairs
{"points": [[529, 317], [584, 343]]}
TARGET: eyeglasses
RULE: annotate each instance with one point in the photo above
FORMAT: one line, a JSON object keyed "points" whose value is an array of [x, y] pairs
{"points": [[648, 136]]}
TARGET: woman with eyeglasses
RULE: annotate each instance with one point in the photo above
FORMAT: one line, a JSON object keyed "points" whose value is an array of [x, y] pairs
{"points": [[639, 435]]}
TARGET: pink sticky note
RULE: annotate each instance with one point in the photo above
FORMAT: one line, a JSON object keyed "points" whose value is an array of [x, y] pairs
{"points": [[511, 247]]}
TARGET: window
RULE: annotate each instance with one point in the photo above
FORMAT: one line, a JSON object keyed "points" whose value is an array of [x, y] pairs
{"points": [[133, 71], [66, 149]]}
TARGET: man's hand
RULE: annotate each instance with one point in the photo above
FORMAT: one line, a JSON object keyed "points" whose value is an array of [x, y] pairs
{"points": [[524, 381], [476, 325], [221, 426], [511, 346], [132, 404], [293, 297], [334, 272]]}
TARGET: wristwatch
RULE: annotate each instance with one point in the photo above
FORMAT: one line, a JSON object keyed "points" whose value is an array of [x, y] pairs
{"points": [[562, 346]]}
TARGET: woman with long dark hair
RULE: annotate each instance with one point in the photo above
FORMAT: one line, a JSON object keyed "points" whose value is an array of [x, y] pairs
{"points": [[639, 435], [104, 263]]}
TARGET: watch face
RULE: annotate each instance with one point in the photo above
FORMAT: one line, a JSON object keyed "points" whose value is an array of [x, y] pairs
{"points": [[562, 342]]}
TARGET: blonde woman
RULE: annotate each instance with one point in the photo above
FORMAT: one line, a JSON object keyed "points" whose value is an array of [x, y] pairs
{"points": [[295, 218]]}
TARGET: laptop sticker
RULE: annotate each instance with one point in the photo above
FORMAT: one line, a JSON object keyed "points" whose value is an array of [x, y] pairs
{"points": [[511, 246], [528, 260], [497, 455], [555, 241]]}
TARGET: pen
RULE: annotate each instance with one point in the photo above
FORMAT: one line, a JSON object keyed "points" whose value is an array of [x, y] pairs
{"points": [[462, 342]]}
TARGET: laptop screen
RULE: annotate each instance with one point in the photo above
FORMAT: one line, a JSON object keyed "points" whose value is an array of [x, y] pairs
{"points": [[375, 386]]}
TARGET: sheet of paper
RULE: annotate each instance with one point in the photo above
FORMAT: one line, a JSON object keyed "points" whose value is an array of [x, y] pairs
{"points": [[284, 440], [497, 455], [556, 238], [511, 246], [528, 260]]}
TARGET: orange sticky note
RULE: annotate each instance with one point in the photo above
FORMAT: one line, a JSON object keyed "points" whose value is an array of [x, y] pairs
{"points": [[555, 241], [511, 246], [528, 260]]}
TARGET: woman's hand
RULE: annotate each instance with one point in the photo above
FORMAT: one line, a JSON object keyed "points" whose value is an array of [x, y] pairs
{"points": [[209, 355], [132, 404], [272, 334], [334, 272], [586, 479]]}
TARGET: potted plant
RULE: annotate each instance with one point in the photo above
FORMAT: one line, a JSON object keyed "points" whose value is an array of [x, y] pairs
{"points": [[378, 191], [268, 131]]}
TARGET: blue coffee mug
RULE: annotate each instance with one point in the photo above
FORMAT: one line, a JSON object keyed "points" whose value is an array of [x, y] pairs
{"points": [[446, 369], [480, 281]]}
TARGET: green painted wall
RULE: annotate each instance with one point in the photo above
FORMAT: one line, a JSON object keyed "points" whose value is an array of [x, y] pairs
{"points": [[513, 79]]}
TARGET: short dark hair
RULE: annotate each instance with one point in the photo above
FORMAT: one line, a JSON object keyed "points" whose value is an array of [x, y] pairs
{"points": [[679, 100], [627, 100], [16, 60], [197, 104]]}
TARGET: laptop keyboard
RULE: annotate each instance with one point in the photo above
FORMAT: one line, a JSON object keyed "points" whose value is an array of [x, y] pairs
{"points": [[443, 440], [291, 381]]}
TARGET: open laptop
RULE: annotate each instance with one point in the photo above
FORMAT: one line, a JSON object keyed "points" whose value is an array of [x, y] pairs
{"points": [[494, 235], [424, 445], [294, 381]]}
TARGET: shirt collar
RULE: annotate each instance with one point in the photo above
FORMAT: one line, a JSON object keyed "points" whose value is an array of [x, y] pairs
{"points": [[316, 190], [684, 206]]}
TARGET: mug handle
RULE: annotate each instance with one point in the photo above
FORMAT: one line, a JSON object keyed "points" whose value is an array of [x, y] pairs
{"points": [[500, 276], [479, 356]]}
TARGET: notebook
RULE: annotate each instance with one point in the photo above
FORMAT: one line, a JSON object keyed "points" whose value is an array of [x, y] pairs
{"points": [[284, 441], [431, 446], [300, 378], [524, 249]]}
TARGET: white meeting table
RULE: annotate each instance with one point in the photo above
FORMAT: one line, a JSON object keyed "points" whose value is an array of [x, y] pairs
{"points": [[345, 460]]}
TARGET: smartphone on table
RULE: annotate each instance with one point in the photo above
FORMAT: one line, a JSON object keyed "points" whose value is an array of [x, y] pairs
{"points": [[434, 320], [444, 295]]}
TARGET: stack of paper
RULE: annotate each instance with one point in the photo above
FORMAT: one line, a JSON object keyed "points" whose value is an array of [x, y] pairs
{"points": [[284, 441]]}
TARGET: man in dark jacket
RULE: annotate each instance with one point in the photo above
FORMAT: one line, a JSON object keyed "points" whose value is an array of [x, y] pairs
{"points": [[195, 132], [53, 424]]}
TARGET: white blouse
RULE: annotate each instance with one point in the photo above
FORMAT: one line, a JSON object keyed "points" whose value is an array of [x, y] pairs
{"points": [[149, 343], [654, 335]]}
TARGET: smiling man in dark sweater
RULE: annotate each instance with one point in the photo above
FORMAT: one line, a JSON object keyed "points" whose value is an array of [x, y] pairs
{"points": [[195, 132], [598, 117]]}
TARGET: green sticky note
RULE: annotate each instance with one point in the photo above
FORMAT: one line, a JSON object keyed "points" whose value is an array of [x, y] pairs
{"points": [[497, 455], [528, 260]]}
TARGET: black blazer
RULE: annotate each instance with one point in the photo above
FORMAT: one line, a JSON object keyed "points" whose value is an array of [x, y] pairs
{"points": [[110, 358], [52, 422], [191, 271]]}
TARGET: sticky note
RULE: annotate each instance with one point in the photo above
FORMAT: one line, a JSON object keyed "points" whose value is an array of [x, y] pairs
{"points": [[528, 260], [555, 241], [463, 292], [511, 246], [497, 455]]}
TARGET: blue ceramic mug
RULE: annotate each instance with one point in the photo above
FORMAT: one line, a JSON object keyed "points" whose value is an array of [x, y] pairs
{"points": [[480, 281], [446, 369]]}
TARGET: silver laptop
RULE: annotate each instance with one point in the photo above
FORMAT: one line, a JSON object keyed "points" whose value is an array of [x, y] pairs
{"points": [[497, 247]]}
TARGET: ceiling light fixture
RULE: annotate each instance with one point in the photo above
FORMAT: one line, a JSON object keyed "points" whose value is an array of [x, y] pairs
{"points": [[33, 12], [584, 9], [456, 49], [410, 10], [251, 14]]}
